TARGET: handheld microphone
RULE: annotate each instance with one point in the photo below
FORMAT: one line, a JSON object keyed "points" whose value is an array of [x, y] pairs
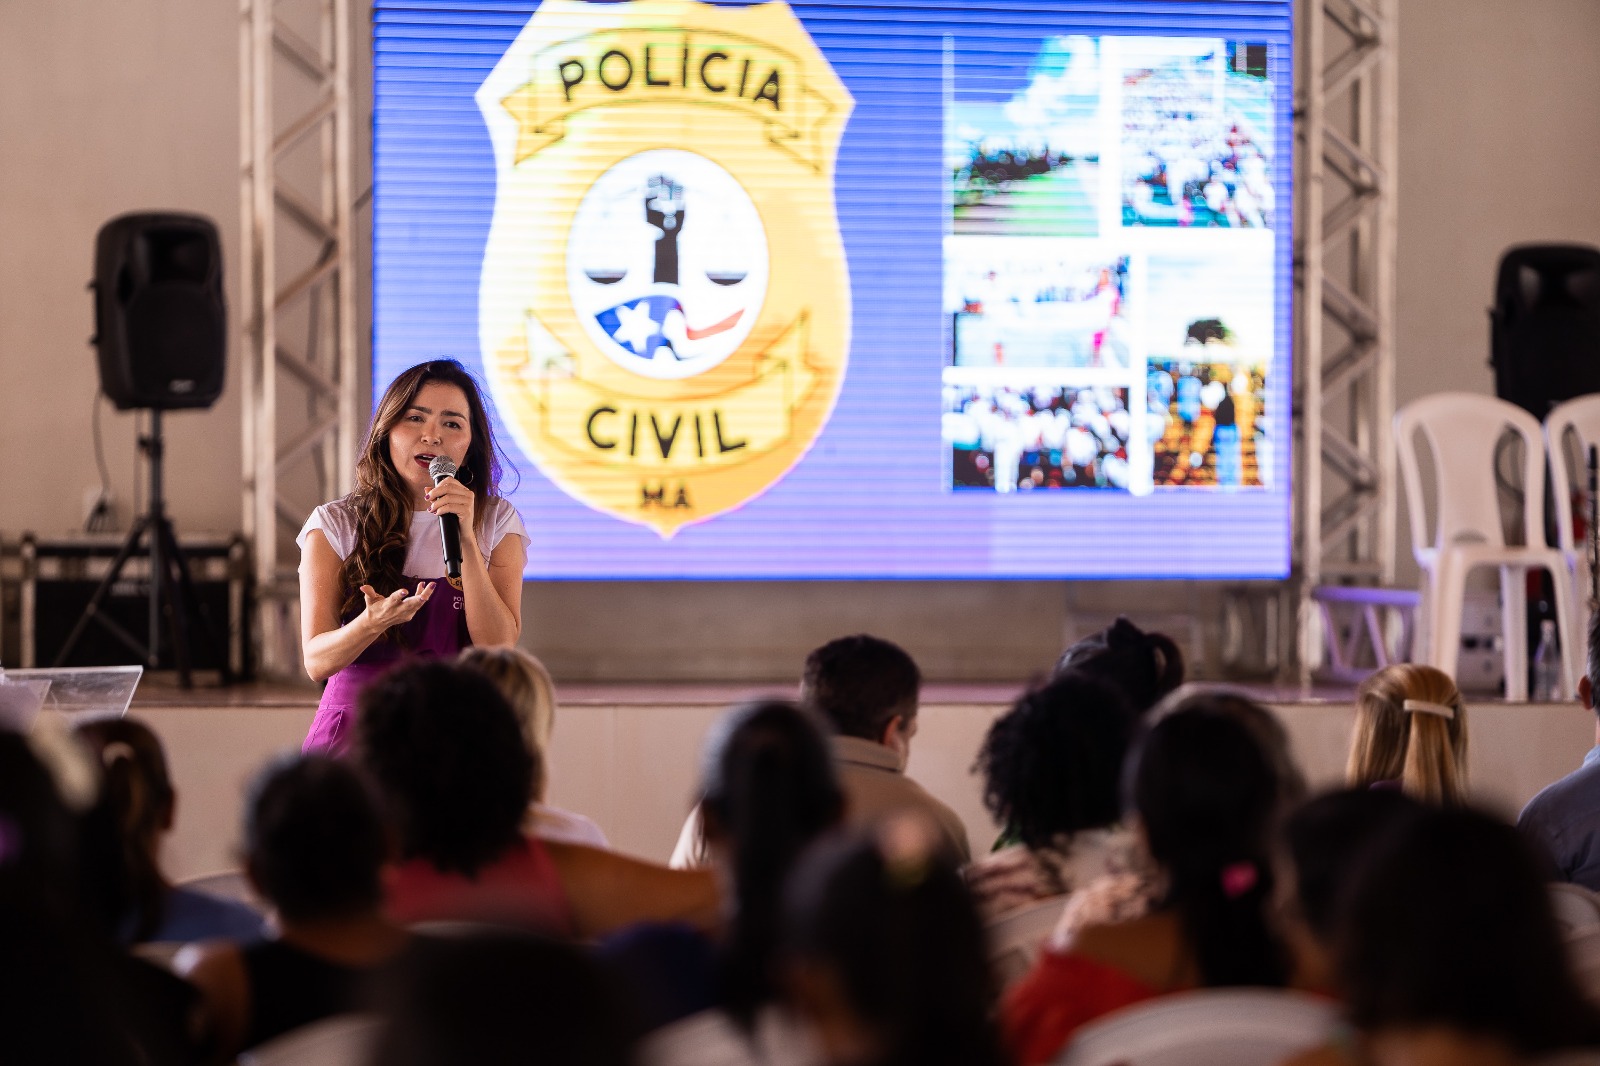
{"points": [[441, 467]]}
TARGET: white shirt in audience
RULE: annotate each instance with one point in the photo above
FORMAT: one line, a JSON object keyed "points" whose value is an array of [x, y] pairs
{"points": [[564, 827], [711, 1038], [875, 785]]}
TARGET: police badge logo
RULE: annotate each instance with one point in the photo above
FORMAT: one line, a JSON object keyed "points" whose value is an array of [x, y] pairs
{"points": [[664, 309]]}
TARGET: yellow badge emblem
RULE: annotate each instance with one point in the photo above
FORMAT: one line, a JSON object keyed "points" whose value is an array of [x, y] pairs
{"points": [[664, 309]]}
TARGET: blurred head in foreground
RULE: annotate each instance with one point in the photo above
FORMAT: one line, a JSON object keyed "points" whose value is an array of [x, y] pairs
{"points": [[887, 960], [1448, 935]]}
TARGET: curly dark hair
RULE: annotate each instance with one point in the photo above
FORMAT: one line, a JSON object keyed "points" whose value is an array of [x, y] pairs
{"points": [[1146, 666], [860, 683], [1053, 763], [314, 838], [450, 761]]}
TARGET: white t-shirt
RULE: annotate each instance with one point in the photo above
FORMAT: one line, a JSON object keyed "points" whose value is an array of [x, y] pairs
{"points": [[564, 827], [425, 554]]}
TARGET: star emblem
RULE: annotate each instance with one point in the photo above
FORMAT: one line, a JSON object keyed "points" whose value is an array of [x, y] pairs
{"points": [[635, 327]]}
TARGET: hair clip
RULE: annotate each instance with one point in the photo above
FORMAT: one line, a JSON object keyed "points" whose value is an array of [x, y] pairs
{"points": [[117, 751], [1428, 707], [10, 840], [1239, 878]]}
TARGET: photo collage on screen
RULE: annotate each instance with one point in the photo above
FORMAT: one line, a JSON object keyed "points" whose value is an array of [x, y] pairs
{"points": [[1109, 266]]}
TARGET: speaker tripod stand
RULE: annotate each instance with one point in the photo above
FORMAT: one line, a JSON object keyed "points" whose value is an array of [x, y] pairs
{"points": [[174, 606]]}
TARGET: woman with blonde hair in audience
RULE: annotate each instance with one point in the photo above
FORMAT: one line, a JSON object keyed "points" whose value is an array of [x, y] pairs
{"points": [[526, 685], [450, 763], [1206, 794], [1410, 733]]}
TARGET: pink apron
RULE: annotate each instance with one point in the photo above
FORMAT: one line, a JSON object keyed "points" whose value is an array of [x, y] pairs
{"points": [[439, 629]]}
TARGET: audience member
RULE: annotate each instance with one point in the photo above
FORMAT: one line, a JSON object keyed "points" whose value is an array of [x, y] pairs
{"points": [[454, 772], [887, 961], [1449, 950], [315, 847], [1410, 733], [67, 994], [769, 791], [1051, 768], [1563, 820], [1119, 897], [1327, 838], [498, 998], [140, 803], [1147, 667], [867, 690], [1206, 793], [527, 687]]}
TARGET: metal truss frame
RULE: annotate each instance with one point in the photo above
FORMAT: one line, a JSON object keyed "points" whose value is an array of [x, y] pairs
{"points": [[297, 291], [1344, 390]]}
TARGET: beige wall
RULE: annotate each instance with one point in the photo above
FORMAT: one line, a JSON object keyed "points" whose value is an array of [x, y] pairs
{"points": [[109, 107], [1499, 145], [106, 108], [631, 766]]}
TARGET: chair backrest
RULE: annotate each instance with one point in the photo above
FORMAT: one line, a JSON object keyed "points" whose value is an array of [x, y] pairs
{"points": [[1583, 949], [1577, 908], [710, 1038], [344, 1040], [227, 884], [160, 952], [1581, 417], [1211, 1027], [1463, 430], [1016, 937]]}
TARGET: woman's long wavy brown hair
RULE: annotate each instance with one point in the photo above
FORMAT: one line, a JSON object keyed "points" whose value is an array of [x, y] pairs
{"points": [[382, 500], [1425, 753]]}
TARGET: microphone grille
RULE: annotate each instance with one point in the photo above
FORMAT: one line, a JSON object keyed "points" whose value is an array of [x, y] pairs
{"points": [[441, 466]]}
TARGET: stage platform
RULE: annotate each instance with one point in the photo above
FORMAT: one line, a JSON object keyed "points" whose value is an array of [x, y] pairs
{"points": [[628, 755]]}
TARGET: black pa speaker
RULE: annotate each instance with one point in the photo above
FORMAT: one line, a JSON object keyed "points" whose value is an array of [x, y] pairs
{"points": [[160, 321], [1545, 325]]}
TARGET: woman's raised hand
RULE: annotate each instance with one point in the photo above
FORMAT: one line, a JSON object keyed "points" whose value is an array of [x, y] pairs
{"points": [[396, 608], [452, 497]]}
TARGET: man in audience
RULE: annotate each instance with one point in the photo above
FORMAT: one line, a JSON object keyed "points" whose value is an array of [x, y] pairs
{"points": [[867, 690], [1564, 819]]}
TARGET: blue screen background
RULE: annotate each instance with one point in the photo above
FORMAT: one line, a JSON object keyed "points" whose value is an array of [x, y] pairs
{"points": [[870, 499]]}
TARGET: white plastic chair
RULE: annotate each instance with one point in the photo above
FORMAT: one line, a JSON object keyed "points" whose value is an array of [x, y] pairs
{"points": [[1581, 418], [1577, 909], [712, 1038], [344, 1040], [1462, 430], [1583, 949], [160, 952], [1211, 1027], [226, 884], [1017, 936]]}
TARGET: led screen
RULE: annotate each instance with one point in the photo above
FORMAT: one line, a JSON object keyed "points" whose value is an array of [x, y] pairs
{"points": [[854, 289]]}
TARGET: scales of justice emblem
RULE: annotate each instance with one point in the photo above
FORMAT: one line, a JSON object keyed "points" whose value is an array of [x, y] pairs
{"points": [[667, 263], [664, 310]]}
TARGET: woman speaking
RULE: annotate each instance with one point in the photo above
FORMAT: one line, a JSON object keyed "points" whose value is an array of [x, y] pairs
{"points": [[372, 564]]}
